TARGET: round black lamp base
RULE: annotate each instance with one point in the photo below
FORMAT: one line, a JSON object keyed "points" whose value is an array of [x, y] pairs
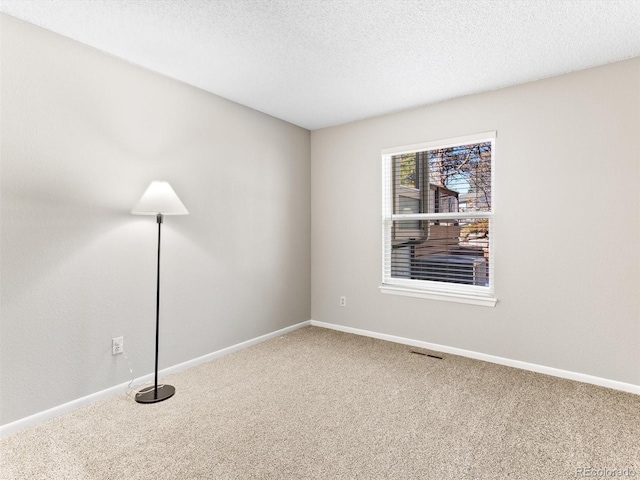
{"points": [[154, 396]]}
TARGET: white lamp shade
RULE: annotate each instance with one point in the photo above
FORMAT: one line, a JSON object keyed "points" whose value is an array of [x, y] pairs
{"points": [[159, 197]]}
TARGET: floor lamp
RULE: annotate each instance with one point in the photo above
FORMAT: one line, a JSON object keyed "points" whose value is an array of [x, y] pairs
{"points": [[159, 199]]}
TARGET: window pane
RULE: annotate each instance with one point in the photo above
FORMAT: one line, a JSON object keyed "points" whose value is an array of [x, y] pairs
{"points": [[446, 180], [450, 250]]}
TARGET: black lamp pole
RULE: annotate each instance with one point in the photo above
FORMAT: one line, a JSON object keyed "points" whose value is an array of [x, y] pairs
{"points": [[165, 391]]}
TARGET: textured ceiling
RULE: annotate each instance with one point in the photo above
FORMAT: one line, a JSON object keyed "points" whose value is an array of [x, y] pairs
{"points": [[317, 63]]}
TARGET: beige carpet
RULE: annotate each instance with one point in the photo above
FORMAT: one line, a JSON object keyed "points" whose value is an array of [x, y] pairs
{"points": [[317, 403]]}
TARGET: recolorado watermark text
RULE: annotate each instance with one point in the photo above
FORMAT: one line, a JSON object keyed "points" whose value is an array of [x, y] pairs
{"points": [[593, 472]]}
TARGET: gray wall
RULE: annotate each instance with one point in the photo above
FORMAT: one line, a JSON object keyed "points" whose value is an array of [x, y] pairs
{"points": [[567, 224], [83, 134]]}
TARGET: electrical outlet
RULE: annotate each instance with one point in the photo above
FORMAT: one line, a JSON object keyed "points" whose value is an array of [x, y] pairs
{"points": [[117, 345], [343, 301]]}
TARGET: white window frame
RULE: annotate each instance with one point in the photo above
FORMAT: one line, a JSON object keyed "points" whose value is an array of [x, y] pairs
{"points": [[468, 294]]}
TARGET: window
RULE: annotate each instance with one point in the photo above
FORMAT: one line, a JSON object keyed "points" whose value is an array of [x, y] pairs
{"points": [[437, 217]]}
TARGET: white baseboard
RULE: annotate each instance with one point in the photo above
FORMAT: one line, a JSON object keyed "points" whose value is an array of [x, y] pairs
{"points": [[556, 372], [233, 348], [117, 389]]}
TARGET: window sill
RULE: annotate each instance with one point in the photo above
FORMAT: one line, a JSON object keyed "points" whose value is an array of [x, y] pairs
{"points": [[432, 295]]}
